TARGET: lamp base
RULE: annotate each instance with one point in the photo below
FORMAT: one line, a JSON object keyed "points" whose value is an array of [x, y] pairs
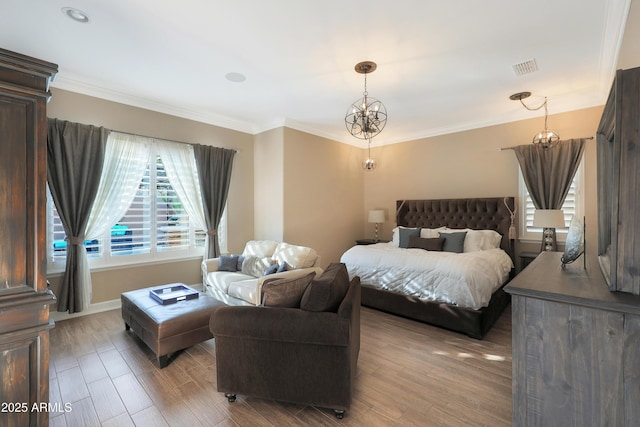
{"points": [[549, 240]]}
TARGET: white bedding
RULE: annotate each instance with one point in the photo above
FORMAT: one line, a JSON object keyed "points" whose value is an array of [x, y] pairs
{"points": [[463, 279]]}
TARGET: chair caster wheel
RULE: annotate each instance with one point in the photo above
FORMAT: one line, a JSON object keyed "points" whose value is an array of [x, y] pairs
{"points": [[339, 413], [230, 397]]}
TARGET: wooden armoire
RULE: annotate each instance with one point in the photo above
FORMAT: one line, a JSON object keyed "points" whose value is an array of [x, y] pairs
{"points": [[24, 298]]}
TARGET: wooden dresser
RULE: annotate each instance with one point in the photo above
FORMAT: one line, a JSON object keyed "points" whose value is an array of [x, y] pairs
{"points": [[24, 299], [576, 347]]}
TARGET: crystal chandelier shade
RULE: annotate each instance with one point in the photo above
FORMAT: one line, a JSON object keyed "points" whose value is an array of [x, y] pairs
{"points": [[369, 164]]}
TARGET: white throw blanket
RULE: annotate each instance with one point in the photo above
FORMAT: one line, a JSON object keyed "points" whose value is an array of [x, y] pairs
{"points": [[466, 279]]}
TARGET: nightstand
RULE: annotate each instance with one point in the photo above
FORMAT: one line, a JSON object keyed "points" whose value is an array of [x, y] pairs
{"points": [[526, 258], [369, 241]]}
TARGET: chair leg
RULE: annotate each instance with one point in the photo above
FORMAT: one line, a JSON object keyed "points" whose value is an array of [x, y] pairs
{"points": [[230, 397], [163, 361], [339, 413]]}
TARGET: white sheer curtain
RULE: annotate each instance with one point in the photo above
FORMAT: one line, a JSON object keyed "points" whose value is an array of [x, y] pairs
{"points": [[177, 159], [125, 161]]}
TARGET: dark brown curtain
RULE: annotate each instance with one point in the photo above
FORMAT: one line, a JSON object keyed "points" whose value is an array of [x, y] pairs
{"points": [[74, 164], [214, 166], [548, 173]]}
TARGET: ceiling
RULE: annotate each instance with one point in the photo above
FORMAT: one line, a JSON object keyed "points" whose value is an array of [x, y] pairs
{"points": [[443, 66]]}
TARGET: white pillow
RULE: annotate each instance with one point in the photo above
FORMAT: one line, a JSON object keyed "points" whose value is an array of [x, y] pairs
{"points": [[430, 233], [479, 240], [260, 248], [255, 266], [295, 256]]}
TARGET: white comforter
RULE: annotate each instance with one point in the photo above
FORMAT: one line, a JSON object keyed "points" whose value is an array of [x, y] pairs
{"points": [[466, 279]]}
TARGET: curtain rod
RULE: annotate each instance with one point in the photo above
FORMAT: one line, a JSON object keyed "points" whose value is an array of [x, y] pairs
{"points": [[511, 148], [169, 140]]}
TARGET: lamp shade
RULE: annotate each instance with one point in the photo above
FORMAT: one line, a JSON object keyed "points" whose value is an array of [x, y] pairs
{"points": [[377, 216], [548, 218]]}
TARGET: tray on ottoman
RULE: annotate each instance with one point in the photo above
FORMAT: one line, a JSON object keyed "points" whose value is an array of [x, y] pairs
{"points": [[168, 328], [170, 294]]}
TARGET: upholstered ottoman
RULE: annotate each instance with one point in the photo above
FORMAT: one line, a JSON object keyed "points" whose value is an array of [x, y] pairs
{"points": [[168, 328]]}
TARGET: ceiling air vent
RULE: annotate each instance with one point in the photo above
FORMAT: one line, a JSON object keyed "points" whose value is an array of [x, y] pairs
{"points": [[526, 67]]}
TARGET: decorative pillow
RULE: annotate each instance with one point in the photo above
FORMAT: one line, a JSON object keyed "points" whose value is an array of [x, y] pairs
{"points": [[481, 240], [271, 270], [453, 242], [260, 248], [405, 234], [431, 244], [282, 267], [395, 238], [240, 260], [295, 256], [228, 263], [327, 292], [285, 292], [255, 266], [431, 233]]}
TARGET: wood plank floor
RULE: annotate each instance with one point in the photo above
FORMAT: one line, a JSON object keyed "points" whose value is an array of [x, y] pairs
{"points": [[409, 374]]}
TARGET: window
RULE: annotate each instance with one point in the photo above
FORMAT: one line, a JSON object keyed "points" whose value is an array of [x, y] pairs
{"points": [[155, 227], [573, 205]]}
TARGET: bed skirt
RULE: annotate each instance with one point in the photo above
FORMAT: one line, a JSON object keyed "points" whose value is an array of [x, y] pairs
{"points": [[474, 323]]}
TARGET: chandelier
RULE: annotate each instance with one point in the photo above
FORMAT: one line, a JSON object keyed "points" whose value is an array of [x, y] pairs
{"points": [[367, 116], [546, 138]]}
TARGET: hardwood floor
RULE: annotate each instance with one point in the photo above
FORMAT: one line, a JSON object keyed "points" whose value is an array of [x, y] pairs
{"points": [[408, 374]]}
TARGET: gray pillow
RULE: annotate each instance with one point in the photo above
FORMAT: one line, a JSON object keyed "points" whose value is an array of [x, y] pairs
{"points": [[327, 292], [271, 269], [282, 267], [228, 263], [453, 242], [405, 233], [285, 292]]}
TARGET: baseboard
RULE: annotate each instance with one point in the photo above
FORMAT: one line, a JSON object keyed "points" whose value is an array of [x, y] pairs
{"points": [[57, 316], [115, 304]]}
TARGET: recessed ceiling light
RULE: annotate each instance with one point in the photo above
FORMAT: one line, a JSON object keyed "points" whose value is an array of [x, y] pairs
{"points": [[76, 14], [235, 77]]}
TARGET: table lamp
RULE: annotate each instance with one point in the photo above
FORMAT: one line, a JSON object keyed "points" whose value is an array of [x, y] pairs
{"points": [[548, 220], [376, 216]]}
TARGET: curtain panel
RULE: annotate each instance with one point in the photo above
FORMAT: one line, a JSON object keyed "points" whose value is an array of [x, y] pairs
{"points": [[126, 158], [180, 167], [74, 166], [548, 173], [214, 166]]}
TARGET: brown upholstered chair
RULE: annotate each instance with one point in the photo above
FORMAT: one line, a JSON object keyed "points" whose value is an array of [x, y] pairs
{"points": [[305, 355]]}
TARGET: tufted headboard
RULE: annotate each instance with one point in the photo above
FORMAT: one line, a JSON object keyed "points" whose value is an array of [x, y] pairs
{"points": [[492, 213]]}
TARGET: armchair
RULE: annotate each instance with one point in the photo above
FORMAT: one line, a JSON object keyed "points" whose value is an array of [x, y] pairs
{"points": [[305, 355]]}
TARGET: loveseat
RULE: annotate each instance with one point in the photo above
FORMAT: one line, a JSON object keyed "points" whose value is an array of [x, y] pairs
{"points": [[300, 348], [238, 279]]}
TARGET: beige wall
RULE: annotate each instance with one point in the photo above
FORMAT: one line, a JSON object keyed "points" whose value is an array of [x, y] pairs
{"points": [[268, 183], [470, 164], [308, 191], [108, 284], [323, 202]]}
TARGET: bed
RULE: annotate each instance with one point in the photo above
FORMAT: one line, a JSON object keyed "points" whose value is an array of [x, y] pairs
{"points": [[389, 274]]}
